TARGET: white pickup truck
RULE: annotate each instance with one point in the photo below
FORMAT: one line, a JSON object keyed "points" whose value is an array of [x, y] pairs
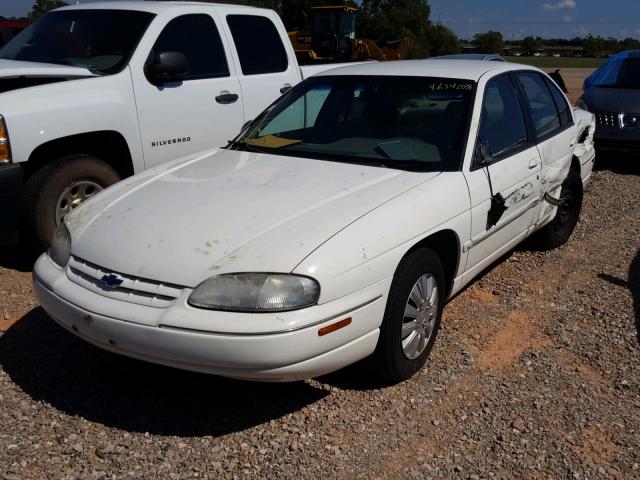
{"points": [[93, 93]]}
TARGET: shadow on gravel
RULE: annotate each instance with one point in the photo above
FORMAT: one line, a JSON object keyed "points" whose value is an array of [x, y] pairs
{"points": [[53, 366], [633, 284], [634, 287], [16, 259]]}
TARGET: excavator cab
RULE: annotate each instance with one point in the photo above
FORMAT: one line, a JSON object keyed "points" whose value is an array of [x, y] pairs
{"points": [[334, 29]]}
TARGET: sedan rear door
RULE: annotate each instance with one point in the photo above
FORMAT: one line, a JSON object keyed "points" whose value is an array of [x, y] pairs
{"points": [[553, 127]]}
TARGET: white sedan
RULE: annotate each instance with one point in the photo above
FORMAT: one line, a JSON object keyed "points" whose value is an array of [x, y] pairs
{"points": [[333, 228]]}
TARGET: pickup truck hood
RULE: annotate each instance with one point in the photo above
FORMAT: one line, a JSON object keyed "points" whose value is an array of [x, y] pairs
{"points": [[226, 212], [15, 74]]}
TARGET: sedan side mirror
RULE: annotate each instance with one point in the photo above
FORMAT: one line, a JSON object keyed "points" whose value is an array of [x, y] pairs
{"points": [[483, 155], [167, 67]]}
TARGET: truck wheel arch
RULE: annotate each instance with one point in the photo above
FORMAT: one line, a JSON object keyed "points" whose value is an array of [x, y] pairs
{"points": [[108, 145]]}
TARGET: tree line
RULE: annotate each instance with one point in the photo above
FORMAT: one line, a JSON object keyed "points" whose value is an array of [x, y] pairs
{"points": [[592, 46]]}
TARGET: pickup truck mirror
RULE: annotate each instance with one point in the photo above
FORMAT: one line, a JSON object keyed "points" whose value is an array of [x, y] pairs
{"points": [[167, 67]]}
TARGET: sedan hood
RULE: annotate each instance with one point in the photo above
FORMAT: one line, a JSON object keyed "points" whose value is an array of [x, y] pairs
{"points": [[613, 100], [227, 212]]}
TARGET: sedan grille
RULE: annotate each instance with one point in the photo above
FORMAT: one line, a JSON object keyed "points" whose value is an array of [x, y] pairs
{"points": [[121, 287], [607, 120]]}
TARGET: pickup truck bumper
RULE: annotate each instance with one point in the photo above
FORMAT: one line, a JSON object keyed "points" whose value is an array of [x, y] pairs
{"points": [[10, 192]]}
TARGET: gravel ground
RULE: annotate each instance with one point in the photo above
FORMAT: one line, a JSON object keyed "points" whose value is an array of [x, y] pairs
{"points": [[535, 374]]}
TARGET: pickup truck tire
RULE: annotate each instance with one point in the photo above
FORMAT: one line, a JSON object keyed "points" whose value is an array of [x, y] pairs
{"points": [[65, 182], [412, 316], [558, 231]]}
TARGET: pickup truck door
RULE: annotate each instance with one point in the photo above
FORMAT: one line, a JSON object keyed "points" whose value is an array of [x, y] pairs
{"points": [[264, 56], [201, 111], [511, 172]]}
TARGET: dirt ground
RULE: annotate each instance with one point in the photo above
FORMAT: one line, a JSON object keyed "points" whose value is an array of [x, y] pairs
{"points": [[535, 375]]}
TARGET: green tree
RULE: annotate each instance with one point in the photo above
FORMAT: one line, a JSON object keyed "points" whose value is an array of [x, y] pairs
{"points": [[388, 20], [441, 40], [530, 44], [595, 46], [489, 42], [40, 7]]}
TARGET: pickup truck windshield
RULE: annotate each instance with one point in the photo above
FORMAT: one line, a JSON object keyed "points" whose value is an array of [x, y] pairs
{"points": [[410, 123], [99, 40]]}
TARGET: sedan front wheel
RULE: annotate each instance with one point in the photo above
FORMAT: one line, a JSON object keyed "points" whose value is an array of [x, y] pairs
{"points": [[412, 316]]}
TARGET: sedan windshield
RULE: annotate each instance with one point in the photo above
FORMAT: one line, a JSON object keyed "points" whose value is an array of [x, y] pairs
{"points": [[99, 40], [413, 123]]}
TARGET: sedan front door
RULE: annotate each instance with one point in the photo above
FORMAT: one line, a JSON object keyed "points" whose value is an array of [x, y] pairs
{"points": [[504, 181]]}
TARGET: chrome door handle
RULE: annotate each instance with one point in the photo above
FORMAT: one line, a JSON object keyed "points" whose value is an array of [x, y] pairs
{"points": [[285, 88], [533, 163], [226, 97]]}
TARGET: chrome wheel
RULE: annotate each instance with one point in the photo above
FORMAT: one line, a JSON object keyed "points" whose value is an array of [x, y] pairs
{"points": [[73, 195], [420, 314]]}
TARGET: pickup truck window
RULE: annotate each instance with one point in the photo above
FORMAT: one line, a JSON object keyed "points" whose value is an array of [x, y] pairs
{"points": [[543, 108], [196, 36], [502, 124], [412, 123], [99, 40], [251, 31]]}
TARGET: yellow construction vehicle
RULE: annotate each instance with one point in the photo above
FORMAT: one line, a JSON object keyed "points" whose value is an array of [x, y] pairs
{"points": [[333, 38]]}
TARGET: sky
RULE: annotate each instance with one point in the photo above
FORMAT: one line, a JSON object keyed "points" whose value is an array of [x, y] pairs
{"points": [[514, 18]]}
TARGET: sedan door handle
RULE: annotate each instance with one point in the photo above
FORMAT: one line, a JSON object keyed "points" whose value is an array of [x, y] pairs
{"points": [[226, 97], [285, 88], [533, 163]]}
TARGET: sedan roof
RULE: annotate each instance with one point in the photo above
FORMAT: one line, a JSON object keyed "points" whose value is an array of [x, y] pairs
{"points": [[461, 69]]}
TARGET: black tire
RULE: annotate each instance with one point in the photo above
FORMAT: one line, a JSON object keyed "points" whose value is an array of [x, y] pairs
{"points": [[44, 188], [389, 359], [558, 231]]}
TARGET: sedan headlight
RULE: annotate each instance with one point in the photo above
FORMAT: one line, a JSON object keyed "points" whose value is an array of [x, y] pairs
{"points": [[5, 148], [60, 248], [582, 104], [256, 292]]}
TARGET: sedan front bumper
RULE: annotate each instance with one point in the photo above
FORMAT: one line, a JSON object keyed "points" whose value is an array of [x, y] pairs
{"points": [[614, 139], [296, 353]]}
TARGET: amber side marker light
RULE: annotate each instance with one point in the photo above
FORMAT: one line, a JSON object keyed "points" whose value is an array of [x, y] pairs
{"points": [[334, 326], [5, 151]]}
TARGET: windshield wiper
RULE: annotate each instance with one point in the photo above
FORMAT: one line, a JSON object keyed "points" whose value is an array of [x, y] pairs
{"points": [[244, 147]]}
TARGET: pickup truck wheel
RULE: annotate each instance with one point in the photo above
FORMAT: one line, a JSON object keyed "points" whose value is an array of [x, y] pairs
{"points": [[56, 189], [558, 231], [412, 316]]}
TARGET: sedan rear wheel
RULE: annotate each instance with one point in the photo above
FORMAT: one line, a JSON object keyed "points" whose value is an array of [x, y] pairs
{"points": [[558, 231]]}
